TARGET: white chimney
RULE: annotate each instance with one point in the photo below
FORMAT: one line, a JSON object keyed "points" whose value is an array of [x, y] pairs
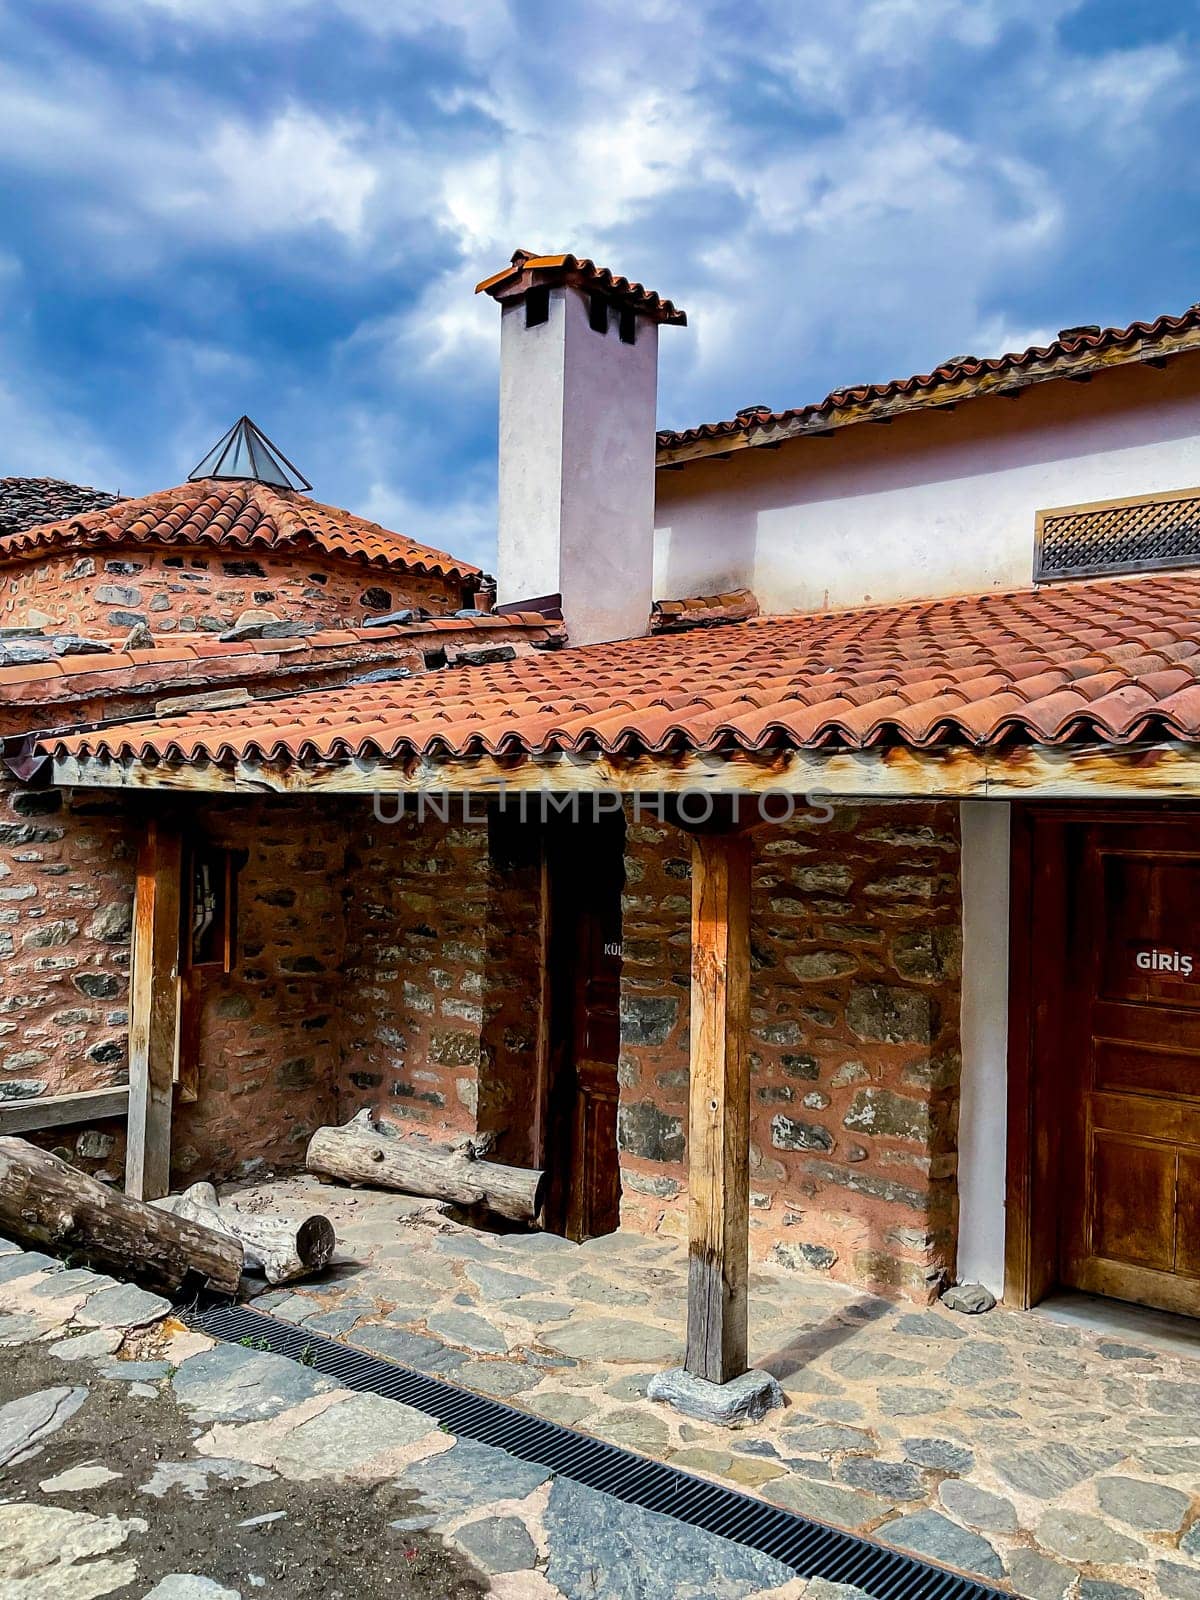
{"points": [[578, 388]]}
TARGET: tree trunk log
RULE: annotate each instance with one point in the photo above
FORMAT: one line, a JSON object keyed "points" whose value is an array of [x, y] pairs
{"points": [[281, 1248], [47, 1203], [368, 1152]]}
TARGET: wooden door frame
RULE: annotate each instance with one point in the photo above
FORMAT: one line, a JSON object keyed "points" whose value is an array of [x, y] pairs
{"points": [[1039, 846]]}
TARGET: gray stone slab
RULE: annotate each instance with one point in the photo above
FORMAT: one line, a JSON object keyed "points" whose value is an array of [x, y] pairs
{"points": [[536, 1311], [494, 1284], [349, 1435], [587, 1286], [79, 1480], [894, 1480], [1174, 1397], [71, 1281], [134, 1371], [333, 1323], [498, 1544], [23, 1263], [857, 1366], [1105, 1589], [1145, 1506], [22, 1327], [977, 1508], [827, 1502], [943, 1455], [613, 1339], [1083, 1538], [1177, 1582], [1049, 1470], [29, 1420], [981, 1361], [599, 1546], [928, 1533], [467, 1475], [911, 1401], [503, 1379], [410, 1349], [230, 1383], [296, 1307], [125, 1306], [929, 1325], [1037, 1577], [92, 1346], [193, 1478], [805, 1434], [468, 1330]]}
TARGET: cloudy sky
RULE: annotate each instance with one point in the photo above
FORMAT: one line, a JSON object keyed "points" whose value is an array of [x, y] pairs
{"points": [[282, 206]]}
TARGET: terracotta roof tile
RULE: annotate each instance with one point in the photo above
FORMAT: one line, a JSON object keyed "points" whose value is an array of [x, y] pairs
{"points": [[1077, 350], [530, 268], [237, 515], [1068, 663]]}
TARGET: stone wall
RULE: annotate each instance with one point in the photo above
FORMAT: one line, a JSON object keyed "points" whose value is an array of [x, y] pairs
{"points": [[855, 928], [183, 591], [441, 978]]}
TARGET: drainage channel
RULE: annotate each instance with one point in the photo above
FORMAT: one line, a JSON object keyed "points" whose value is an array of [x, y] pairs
{"points": [[811, 1549]]}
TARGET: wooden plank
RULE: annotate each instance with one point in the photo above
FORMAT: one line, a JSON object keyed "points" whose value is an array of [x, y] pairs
{"points": [[154, 1011], [719, 1112], [1165, 770], [64, 1110]]}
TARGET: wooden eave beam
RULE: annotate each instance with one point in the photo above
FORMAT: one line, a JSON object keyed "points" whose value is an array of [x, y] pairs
{"points": [[1164, 770]]}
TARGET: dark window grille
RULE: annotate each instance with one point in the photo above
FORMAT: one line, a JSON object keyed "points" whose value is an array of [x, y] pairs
{"points": [[1146, 534]]}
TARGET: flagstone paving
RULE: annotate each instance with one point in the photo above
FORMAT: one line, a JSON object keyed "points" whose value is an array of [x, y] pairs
{"points": [[234, 1472], [1038, 1455]]}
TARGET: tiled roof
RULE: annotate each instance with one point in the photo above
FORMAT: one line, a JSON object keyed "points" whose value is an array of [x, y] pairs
{"points": [[530, 269], [1075, 351], [205, 661], [1104, 662], [26, 502], [237, 515], [702, 611]]}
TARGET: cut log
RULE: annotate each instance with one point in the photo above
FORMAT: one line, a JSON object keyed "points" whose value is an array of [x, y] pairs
{"points": [[45, 1202], [367, 1151], [281, 1248]]}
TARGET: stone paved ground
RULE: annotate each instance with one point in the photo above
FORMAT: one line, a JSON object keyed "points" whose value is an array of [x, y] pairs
{"points": [[1037, 1455], [141, 1461]]}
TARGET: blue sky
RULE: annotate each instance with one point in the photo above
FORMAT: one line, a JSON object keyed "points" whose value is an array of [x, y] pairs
{"points": [[282, 206]]}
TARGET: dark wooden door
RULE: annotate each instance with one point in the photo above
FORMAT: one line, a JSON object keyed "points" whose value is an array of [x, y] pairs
{"points": [[585, 864], [1131, 1175]]}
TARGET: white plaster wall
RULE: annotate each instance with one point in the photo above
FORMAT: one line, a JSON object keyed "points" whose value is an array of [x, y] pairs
{"points": [[933, 504], [983, 1106], [577, 467]]}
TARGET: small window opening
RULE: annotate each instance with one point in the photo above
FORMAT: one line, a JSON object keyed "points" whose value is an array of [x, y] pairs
{"points": [[628, 327], [537, 307], [598, 314]]}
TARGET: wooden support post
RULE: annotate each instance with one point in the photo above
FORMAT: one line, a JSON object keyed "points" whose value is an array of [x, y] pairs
{"points": [[153, 1012], [719, 1120]]}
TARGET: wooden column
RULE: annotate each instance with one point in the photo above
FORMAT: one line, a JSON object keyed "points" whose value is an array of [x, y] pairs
{"points": [[153, 1011], [719, 1118]]}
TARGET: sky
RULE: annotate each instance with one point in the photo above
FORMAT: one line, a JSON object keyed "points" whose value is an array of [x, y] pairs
{"points": [[281, 207]]}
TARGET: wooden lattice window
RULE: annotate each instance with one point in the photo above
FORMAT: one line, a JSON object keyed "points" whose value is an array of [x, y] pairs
{"points": [[1146, 533]]}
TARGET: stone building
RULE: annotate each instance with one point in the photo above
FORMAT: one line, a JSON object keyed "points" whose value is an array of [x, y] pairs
{"points": [[836, 908]]}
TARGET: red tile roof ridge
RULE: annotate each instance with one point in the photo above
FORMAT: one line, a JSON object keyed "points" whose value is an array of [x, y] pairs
{"points": [[1074, 348], [531, 267]]}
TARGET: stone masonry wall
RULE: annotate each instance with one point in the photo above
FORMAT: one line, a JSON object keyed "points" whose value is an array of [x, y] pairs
{"points": [[268, 1042], [855, 930], [441, 980], [173, 590]]}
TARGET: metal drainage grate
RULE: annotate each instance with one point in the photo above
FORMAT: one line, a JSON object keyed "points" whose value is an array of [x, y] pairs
{"points": [[811, 1549]]}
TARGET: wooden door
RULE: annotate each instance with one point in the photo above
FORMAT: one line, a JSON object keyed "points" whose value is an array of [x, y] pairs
{"points": [[585, 862], [1130, 1187]]}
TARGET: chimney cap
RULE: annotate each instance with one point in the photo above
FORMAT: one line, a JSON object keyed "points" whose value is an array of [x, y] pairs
{"points": [[530, 270]]}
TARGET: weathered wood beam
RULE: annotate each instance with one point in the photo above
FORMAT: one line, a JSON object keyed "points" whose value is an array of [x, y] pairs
{"points": [[153, 1011], [64, 1110], [1165, 770], [719, 1108]]}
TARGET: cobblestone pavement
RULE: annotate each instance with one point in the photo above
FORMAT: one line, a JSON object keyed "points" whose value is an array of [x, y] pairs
{"points": [[141, 1461], [1034, 1454]]}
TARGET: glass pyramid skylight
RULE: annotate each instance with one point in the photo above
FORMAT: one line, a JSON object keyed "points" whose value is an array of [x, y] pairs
{"points": [[246, 452]]}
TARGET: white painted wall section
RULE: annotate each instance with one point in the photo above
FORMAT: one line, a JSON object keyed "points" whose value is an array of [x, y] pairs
{"points": [[576, 513], [936, 503], [983, 1105]]}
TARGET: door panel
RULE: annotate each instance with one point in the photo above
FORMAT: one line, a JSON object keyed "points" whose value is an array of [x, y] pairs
{"points": [[1131, 1066]]}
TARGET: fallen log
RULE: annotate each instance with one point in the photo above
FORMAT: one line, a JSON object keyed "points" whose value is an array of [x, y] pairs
{"points": [[367, 1151], [45, 1202], [281, 1248]]}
